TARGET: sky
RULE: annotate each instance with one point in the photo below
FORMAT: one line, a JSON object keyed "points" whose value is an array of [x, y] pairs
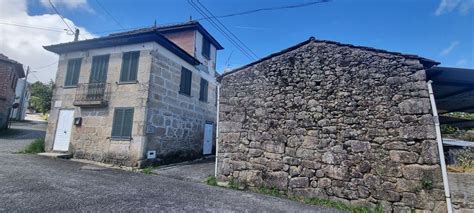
{"points": [[442, 30]]}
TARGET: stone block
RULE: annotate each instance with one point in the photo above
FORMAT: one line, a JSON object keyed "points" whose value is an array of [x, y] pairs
{"points": [[415, 106], [403, 156], [299, 182], [278, 180], [360, 146]]}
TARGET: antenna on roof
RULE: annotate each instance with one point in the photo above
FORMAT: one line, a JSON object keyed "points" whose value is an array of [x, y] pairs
{"points": [[190, 18], [154, 24], [76, 35]]}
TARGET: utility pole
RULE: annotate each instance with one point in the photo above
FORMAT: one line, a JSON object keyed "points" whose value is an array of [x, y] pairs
{"points": [[22, 100], [76, 35]]}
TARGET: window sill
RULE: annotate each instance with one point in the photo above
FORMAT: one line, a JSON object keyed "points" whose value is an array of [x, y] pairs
{"points": [[203, 101], [184, 94], [70, 87], [121, 139], [126, 82]]}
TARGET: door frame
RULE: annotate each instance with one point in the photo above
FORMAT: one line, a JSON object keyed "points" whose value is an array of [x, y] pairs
{"points": [[56, 128]]}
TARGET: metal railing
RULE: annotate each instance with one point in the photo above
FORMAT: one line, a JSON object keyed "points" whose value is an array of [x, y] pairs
{"points": [[92, 94]]}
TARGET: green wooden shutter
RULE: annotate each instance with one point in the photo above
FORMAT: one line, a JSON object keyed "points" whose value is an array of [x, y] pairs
{"points": [[125, 67], [134, 66], [77, 71], [203, 90], [186, 79], [117, 122], [99, 69], [127, 123]]}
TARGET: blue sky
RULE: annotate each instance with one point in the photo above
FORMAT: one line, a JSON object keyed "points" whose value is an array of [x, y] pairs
{"points": [[442, 30]]}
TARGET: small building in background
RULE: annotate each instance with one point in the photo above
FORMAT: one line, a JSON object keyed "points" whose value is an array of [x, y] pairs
{"points": [[22, 98], [10, 72]]}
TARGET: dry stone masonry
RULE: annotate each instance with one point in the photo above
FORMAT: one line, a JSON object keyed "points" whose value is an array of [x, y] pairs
{"points": [[333, 121]]}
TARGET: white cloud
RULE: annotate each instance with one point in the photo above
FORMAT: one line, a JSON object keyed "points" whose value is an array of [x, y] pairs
{"points": [[69, 4], [446, 51], [447, 6], [25, 45]]}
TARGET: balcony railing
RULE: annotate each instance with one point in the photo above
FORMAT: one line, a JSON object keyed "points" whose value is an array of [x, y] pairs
{"points": [[92, 94]]}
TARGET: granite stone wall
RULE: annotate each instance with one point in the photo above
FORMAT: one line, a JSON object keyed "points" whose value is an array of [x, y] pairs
{"points": [[175, 122], [336, 122]]}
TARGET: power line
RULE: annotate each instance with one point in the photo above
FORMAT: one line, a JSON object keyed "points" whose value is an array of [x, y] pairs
{"points": [[34, 27], [250, 50], [42, 67], [218, 28], [109, 14], [60, 16], [269, 9]]}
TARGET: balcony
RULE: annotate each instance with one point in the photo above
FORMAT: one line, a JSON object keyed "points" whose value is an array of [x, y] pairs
{"points": [[92, 95]]}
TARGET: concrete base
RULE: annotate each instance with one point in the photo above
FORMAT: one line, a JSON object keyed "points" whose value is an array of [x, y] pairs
{"points": [[56, 155]]}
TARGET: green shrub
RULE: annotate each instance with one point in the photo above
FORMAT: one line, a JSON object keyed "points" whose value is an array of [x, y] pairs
{"points": [[465, 158], [211, 180], [37, 146], [233, 184], [148, 170], [448, 129]]}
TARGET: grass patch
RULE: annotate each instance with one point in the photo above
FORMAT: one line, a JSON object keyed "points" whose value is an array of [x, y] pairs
{"points": [[211, 181], [37, 146], [233, 184], [148, 170]]}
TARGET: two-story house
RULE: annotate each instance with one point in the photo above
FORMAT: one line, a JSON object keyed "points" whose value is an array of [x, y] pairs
{"points": [[136, 97], [10, 72]]}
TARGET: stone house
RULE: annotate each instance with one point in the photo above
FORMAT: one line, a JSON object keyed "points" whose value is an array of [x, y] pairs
{"points": [[335, 121], [137, 97], [10, 72]]}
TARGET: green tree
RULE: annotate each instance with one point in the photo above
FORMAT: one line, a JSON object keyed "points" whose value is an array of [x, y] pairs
{"points": [[41, 95]]}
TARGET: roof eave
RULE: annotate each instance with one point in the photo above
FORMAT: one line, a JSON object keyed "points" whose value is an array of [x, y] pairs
{"points": [[123, 40]]}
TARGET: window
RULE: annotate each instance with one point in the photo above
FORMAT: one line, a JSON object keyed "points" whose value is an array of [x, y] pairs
{"points": [[203, 91], [122, 124], [72, 72], [206, 48], [186, 79], [99, 69], [13, 80], [129, 66]]}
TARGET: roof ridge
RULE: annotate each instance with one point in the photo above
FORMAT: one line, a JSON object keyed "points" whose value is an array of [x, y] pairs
{"points": [[425, 61]]}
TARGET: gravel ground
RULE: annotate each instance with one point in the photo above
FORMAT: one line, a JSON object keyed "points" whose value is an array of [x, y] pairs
{"points": [[35, 183]]}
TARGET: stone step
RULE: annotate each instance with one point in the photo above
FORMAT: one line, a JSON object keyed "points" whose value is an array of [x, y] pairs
{"points": [[62, 155]]}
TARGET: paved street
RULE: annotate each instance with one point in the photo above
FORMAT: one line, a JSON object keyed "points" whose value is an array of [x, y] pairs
{"points": [[35, 183]]}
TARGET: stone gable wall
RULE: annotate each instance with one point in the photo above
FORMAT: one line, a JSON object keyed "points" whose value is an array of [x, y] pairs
{"points": [[176, 121], [331, 121]]}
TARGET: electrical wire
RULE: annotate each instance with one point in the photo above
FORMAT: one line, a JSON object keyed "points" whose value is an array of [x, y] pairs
{"points": [[218, 28], [230, 32], [60, 16], [109, 14], [269, 9], [34, 27], [45, 66]]}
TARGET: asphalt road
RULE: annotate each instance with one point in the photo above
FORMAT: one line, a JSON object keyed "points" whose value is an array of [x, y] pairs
{"points": [[35, 183]]}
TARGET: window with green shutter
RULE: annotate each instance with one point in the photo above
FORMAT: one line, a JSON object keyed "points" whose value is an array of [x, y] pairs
{"points": [[129, 66], [99, 68], [122, 123], [206, 48], [186, 79], [72, 72], [203, 90]]}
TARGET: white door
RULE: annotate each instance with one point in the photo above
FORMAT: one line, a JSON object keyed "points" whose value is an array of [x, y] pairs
{"points": [[63, 130], [207, 146]]}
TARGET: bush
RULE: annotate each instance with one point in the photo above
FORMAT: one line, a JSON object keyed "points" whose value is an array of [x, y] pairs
{"points": [[211, 180], [148, 170], [37, 146]]}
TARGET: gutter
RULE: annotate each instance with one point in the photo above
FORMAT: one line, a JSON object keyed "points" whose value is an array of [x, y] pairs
{"points": [[217, 130], [439, 139]]}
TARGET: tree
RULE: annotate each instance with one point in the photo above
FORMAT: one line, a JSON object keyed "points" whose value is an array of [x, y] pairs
{"points": [[41, 95]]}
